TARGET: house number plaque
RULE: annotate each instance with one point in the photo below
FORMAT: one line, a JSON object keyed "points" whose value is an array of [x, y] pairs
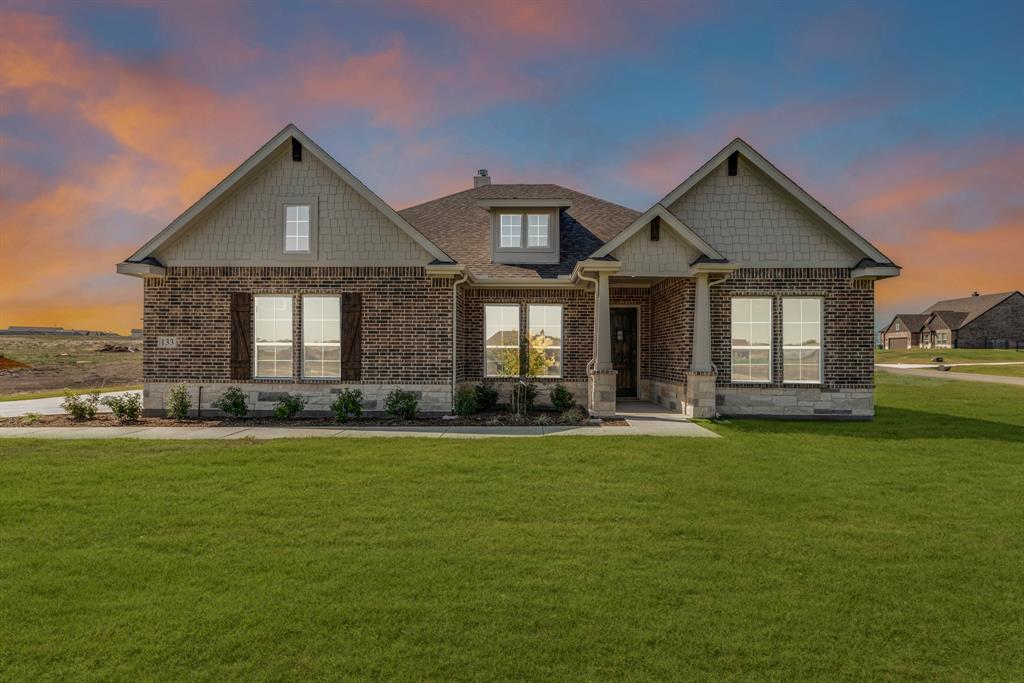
{"points": [[167, 342]]}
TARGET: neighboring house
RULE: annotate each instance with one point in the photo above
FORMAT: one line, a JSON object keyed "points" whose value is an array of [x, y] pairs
{"points": [[736, 293], [980, 321]]}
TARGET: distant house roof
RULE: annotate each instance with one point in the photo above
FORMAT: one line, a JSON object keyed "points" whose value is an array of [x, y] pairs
{"points": [[913, 321], [942, 320], [460, 226], [970, 306]]}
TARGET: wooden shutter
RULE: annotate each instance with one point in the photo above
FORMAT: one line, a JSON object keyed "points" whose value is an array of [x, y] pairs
{"points": [[351, 336], [241, 341]]}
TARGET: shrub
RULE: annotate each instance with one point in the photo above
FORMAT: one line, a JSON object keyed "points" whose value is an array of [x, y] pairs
{"points": [[80, 406], [486, 396], [32, 418], [575, 416], [561, 398], [523, 396], [288, 406], [402, 403], [126, 407], [348, 404], [179, 402], [465, 401], [542, 420], [232, 402]]}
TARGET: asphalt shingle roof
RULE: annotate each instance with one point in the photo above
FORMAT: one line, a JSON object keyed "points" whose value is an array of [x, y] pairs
{"points": [[914, 321], [971, 306], [462, 228]]}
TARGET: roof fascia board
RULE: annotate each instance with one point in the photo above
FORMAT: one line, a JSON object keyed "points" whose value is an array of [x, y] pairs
{"points": [[875, 272], [681, 229], [783, 181], [254, 162], [522, 283]]}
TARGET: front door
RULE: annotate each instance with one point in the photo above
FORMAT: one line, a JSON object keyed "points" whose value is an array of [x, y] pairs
{"points": [[624, 351]]}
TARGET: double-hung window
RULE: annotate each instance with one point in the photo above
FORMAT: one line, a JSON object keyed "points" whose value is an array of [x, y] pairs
{"points": [[801, 340], [752, 340], [501, 341], [321, 336], [296, 228], [273, 336], [544, 323]]}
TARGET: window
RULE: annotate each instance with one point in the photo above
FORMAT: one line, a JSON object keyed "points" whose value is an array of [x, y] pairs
{"points": [[896, 326], [544, 324], [321, 336], [537, 230], [801, 340], [752, 340], [296, 228], [273, 336], [501, 341], [511, 230]]}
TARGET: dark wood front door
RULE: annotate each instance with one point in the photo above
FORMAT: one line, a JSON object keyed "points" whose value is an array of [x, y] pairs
{"points": [[624, 351]]}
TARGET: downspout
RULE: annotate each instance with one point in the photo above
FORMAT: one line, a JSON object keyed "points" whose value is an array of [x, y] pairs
{"points": [[455, 330], [593, 347], [711, 284]]}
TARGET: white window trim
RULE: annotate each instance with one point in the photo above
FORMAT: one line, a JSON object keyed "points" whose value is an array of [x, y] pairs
{"points": [[256, 344], [561, 332], [821, 344], [524, 232], [771, 343], [519, 337], [547, 231], [302, 326]]}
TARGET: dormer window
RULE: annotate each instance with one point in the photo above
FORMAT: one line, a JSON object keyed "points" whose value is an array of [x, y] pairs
{"points": [[525, 230], [511, 230], [537, 230]]}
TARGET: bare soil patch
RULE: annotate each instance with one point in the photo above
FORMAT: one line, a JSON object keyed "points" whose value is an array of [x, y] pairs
{"points": [[35, 363]]}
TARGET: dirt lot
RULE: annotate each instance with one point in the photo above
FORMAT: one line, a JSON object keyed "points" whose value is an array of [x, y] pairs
{"points": [[38, 363]]}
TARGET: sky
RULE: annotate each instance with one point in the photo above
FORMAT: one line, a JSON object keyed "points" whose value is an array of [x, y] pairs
{"points": [[903, 118]]}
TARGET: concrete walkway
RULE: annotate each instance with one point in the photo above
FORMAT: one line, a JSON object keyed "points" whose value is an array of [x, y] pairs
{"points": [[49, 406], [964, 376]]}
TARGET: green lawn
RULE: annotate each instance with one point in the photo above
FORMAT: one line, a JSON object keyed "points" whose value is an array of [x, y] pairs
{"points": [[1004, 370], [857, 551]]}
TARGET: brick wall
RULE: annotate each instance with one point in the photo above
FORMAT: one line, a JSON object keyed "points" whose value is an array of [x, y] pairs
{"points": [[848, 333], [672, 304], [406, 320], [1002, 322]]}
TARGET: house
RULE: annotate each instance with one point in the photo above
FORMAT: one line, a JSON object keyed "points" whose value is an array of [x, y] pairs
{"points": [[979, 321], [737, 293]]}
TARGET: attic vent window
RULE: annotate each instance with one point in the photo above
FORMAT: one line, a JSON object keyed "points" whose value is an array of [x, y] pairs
{"points": [[734, 163], [656, 228], [296, 150], [296, 229]]}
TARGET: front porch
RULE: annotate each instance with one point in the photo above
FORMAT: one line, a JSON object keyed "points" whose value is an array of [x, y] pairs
{"points": [[652, 344]]}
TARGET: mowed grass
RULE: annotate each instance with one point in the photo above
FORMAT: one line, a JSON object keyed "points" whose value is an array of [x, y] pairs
{"points": [[1002, 370], [949, 355], [890, 550]]}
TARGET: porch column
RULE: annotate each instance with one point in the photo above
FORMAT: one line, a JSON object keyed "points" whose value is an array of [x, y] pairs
{"points": [[603, 324], [701, 361]]}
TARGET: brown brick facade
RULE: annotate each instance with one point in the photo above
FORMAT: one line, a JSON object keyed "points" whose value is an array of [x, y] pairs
{"points": [[849, 309], [407, 324], [672, 304]]}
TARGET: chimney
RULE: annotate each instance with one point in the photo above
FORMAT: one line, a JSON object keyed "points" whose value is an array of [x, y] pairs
{"points": [[481, 178]]}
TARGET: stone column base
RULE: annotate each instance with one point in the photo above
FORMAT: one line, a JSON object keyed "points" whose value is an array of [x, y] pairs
{"points": [[601, 393], [700, 394]]}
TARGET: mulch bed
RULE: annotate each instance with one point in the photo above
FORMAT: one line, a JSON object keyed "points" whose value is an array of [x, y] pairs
{"points": [[491, 419]]}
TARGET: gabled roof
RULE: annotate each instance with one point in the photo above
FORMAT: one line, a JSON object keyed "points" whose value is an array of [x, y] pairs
{"points": [[913, 321], [943, 320], [251, 166], [666, 216], [839, 228], [971, 306], [462, 227]]}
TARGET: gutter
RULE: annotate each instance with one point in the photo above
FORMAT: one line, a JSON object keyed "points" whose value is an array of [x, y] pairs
{"points": [[460, 279]]}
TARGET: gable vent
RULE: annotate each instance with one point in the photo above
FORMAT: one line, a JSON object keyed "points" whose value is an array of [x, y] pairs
{"points": [[296, 150], [734, 163], [656, 228]]}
